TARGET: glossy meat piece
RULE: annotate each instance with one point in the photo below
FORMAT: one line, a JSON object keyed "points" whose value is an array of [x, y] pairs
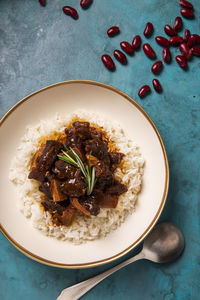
{"points": [[79, 124], [74, 141], [115, 157], [45, 188], [95, 134], [63, 170], [116, 189], [105, 200], [104, 175], [97, 148], [90, 204], [109, 201], [45, 160], [80, 129], [73, 187], [52, 206]]}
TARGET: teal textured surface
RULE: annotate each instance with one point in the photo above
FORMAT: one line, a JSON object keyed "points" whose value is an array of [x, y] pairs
{"points": [[40, 46]]}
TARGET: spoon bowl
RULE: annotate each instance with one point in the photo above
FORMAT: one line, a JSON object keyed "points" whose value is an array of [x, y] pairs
{"points": [[164, 244]]}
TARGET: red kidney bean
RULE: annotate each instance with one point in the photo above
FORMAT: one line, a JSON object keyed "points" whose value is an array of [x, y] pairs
{"points": [[127, 47], [42, 2], [149, 51], [185, 3], [148, 29], [197, 37], [145, 89], [169, 30], [112, 31], [136, 42], [178, 23], [187, 13], [108, 62], [176, 40], [185, 50], [162, 41], [156, 67], [181, 60], [70, 11], [191, 41], [196, 50], [187, 35], [167, 55], [157, 86], [120, 56], [85, 3]]}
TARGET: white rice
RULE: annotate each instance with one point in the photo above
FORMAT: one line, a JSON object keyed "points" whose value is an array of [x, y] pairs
{"points": [[83, 228]]}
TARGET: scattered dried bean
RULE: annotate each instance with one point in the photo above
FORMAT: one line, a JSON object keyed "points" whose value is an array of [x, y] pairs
{"points": [[186, 4], [156, 67], [149, 51], [157, 86], [120, 56], [85, 3], [162, 41], [112, 31], [191, 41], [176, 40], [167, 55], [181, 60], [148, 29], [169, 30], [185, 50], [187, 35], [178, 23], [108, 62], [187, 13], [42, 2], [127, 47], [70, 11], [136, 42], [144, 90]]}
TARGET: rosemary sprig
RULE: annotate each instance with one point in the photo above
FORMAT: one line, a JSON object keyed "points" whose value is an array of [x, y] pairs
{"points": [[88, 172]]}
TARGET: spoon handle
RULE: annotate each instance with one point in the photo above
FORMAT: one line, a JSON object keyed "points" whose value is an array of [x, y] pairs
{"points": [[74, 292]]}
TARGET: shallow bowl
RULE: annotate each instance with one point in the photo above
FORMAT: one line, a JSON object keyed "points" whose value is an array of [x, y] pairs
{"points": [[65, 98]]}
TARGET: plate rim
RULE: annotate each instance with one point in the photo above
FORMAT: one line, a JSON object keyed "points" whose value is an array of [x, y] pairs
{"points": [[158, 213]]}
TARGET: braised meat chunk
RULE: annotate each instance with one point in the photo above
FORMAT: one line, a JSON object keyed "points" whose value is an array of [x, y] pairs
{"points": [[97, 147], [74, 187], [77, 178], [115, 157], [45, 160], [63, 170], [54, 207], [45, 188], [116, 189]]}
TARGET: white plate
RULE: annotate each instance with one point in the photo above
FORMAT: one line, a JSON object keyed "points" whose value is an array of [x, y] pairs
{"points": [[67, 97]]}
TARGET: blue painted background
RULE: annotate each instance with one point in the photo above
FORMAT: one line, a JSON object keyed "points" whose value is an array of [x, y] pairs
{"points": [[40, 46]]}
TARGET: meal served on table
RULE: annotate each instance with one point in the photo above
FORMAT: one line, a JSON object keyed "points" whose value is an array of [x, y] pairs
{"points": [[78, 177]]}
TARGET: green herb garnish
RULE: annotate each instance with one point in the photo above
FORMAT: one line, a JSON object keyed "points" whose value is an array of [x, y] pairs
{"points": [[88, 172]]}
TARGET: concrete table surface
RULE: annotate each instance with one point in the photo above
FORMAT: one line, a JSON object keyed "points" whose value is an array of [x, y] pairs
{"points": [[40, 46]]}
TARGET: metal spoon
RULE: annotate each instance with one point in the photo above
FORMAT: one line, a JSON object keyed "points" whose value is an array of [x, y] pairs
{"points": [[164, 244]]}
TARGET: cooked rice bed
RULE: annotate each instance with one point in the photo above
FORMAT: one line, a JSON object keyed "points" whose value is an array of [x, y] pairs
{"points": [[83, 228]]}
